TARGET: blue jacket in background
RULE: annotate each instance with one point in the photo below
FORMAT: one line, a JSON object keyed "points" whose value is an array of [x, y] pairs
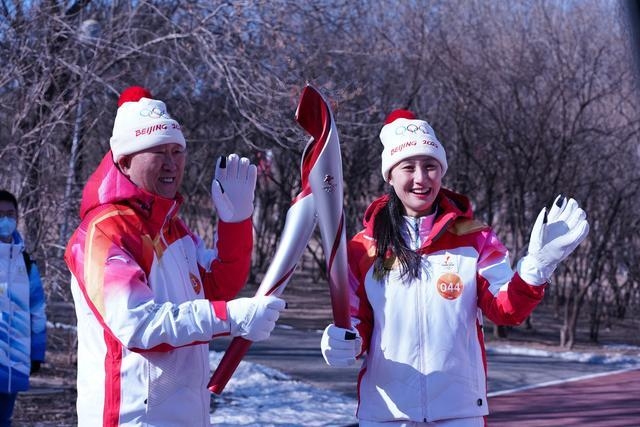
{"points": [[23, 324]]}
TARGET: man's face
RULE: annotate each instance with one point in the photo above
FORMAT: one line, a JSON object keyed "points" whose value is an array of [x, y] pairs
{"points": [[158, 170]]}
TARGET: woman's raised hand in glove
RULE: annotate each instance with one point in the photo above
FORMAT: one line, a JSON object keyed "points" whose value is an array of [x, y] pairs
{"points": [[555, 235]]}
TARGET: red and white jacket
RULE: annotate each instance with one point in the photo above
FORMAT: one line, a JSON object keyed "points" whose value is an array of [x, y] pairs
{"points": [[148, 297], [425, 356]]}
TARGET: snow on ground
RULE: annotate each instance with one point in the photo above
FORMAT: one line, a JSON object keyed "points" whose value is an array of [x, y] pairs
{"points": [[613, 356], [256, 395]]}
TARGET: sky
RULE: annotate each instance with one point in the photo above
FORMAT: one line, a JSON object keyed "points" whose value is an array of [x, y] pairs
{"points": [[257, 395]]}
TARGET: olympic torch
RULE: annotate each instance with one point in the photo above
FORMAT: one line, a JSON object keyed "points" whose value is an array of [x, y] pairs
{"points": [[321, 172], [325, 179], [298, 227]]}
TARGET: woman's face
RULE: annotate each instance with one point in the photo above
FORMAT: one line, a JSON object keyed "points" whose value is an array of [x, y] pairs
{"points": [[417, 181], [158, 170]]}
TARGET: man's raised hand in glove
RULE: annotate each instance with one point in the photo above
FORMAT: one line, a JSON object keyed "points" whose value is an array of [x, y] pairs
{"points": [[254, 318], [554, 237], [340, 346], [233, 187]]}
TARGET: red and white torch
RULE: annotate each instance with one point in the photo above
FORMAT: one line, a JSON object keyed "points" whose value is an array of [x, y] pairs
{"points": [[320, 200], [325, 179]]}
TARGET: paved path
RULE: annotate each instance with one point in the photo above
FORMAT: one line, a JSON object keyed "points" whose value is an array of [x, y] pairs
{"points": [[297, 353], [609, 400]]}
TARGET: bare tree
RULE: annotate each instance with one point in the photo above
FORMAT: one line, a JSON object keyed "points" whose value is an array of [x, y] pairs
{"points": [[530, 98]]}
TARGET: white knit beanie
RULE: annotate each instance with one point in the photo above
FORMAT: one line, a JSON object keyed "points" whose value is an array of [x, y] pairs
{"points": [[403, 136], [142, 122]]}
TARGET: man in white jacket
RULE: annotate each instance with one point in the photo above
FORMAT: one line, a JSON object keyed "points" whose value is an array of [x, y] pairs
{"points": [[148, 294]]}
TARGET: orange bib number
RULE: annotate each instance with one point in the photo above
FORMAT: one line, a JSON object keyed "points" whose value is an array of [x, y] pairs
{"points": [[450, 286]]}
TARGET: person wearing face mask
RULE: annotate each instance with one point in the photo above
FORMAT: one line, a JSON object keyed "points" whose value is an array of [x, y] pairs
{"points": [[23, 326], [423, 274], [149, 294]]}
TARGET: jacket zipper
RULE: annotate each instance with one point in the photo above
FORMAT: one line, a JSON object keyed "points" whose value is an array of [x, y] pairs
{"points": [[185, 293], [185, 287], [420, 300], [416, 229], [10, 329]]}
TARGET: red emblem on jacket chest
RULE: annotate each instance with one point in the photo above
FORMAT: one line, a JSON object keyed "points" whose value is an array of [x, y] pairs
{"points": [[195, 282]]}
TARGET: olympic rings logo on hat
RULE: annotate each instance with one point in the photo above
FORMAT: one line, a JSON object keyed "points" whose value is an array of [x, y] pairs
{"points": [[411, 128], [154, 113]]}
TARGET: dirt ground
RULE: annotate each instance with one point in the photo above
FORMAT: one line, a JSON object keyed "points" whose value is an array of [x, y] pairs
{"points": [[51, 401]]}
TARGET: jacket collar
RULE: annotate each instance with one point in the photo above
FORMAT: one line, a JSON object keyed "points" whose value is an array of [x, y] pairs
{"points": [[450, 206]]}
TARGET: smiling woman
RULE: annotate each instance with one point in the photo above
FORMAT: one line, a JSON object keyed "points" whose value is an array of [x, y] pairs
{"points": [[417, 181], [423, 273]]}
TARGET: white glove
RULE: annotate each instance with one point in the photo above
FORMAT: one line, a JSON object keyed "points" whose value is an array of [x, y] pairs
{"points": [[340, 346], [554, 236], [254, 318], [233, 187]]}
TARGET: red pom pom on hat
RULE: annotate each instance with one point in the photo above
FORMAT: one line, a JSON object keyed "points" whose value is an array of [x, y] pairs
{"points": [[133, 94], [399, 114]]}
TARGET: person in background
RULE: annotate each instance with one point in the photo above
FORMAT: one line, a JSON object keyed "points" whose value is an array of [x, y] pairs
{"points": [[149, 295], [23, 326], [423, 272]]}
